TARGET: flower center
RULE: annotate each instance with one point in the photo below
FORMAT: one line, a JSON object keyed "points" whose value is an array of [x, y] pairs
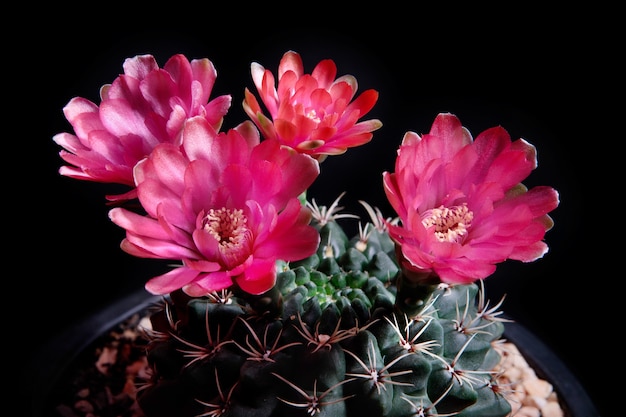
{"points": [[312, 114], [228, 227], [449, 224]]}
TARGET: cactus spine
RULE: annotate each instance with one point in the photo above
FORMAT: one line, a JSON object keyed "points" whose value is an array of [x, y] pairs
{"points": [[341, 334]]}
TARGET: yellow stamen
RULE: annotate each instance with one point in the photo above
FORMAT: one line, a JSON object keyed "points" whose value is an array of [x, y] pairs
{"points": [[449, 224], [228, 227]]}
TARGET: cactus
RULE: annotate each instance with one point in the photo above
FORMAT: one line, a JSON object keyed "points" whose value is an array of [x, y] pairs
{"points": [[341, 334], [390, 322]]}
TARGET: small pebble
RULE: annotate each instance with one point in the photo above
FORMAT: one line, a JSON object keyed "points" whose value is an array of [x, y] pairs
{"points": [[531, 396]]}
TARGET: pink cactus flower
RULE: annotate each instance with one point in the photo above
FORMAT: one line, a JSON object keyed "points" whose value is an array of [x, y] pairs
{"points": [[142, 108], [461, 204], [225, 204], [311, 113]]}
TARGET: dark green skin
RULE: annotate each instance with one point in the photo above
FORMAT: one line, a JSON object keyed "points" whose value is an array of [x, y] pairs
{"points": [[329, 340]]}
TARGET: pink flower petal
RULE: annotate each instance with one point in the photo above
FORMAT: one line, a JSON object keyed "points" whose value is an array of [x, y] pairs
{"points": [[461, 205]]}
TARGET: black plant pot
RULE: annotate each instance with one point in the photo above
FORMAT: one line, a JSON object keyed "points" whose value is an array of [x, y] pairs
{"points": [[51, 362]]}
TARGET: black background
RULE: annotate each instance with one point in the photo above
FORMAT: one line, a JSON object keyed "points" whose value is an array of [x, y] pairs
{"points": [[544, 77]]}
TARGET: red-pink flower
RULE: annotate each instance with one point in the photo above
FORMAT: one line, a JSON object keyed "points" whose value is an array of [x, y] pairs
{"points": [[462, 205], [143, 107], [311, 113], [225, 204]]}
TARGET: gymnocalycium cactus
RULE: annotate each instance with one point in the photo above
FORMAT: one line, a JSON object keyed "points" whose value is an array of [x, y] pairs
{"points": [[337, 336], [272, 310]]}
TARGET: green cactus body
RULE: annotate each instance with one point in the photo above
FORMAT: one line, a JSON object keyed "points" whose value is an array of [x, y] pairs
{"points": [[333, 338]]}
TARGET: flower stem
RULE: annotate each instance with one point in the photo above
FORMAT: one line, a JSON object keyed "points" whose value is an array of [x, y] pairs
{"points": [[268, 303], [412, 296]]}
